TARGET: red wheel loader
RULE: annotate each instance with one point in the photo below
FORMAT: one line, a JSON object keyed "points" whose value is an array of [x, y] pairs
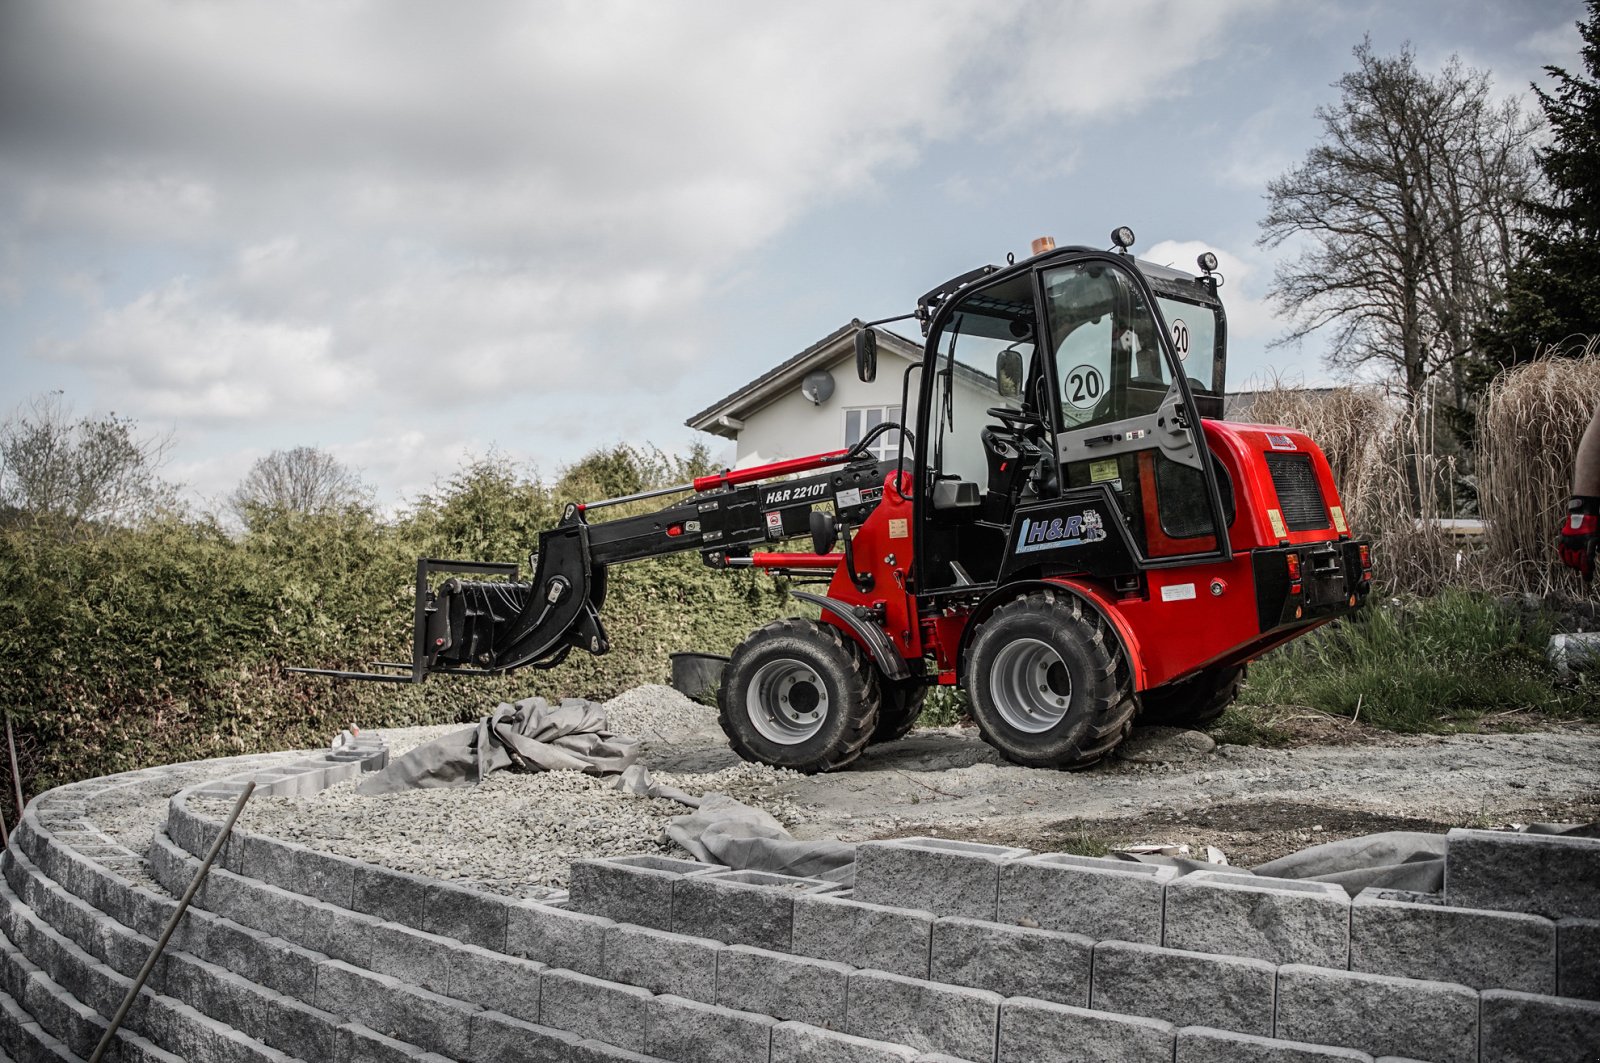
{"points": [[1070, 530]]}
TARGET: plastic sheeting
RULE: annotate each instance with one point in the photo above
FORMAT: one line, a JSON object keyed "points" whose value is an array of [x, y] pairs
{"points": [[531, 734]]}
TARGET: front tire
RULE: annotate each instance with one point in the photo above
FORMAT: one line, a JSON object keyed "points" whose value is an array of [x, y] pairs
{"points": [[1047, 682], [796, 695]]}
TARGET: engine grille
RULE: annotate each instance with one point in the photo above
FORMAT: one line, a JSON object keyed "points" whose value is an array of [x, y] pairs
{"points": [[1299, 494]]}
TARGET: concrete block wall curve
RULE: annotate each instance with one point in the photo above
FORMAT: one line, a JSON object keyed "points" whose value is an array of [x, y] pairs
{"points": [[943, 950]]}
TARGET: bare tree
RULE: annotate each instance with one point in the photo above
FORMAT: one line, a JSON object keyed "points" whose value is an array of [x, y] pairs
{"points": [[301, 480], [58, 469], [1406, 211]]}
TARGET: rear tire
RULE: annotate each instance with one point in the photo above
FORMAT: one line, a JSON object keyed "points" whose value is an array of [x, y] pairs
{"points": [[901, 705], [1048, 683], [1193, 702], [796, 695]]}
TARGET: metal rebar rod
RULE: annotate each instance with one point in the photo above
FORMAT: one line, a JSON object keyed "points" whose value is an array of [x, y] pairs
{"points": [[172, 925], [16, 773]]}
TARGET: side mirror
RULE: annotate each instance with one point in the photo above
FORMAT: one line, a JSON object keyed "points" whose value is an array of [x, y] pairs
{"points": [[1008, 373], [867, 355]]}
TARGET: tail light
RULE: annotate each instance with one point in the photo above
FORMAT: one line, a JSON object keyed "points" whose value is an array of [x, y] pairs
{"points": [[1293, 561], [1366, 563]]}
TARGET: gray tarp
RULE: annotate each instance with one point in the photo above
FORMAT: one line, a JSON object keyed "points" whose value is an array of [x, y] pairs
{"points": [[532, 735]]}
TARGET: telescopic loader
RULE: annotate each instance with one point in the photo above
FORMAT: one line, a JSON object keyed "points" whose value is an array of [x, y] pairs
{"points": [[1071, 531]]}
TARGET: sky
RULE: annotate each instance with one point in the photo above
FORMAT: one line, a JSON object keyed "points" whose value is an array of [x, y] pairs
{"points": [[414, 233]]}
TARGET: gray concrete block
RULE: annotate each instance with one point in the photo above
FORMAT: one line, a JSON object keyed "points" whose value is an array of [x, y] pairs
{"points": [[1184, 988], [630, 889], [1116, 899], [1032, 1031], [1524, 1028], [945, 877], [466, 915], [786, 987], [1578, 958], [413, 956], [590, 1007], [923, 1015], [507, 984], [1545, 874], [325, 876], [1012, 960], [688, 1031], [1473, 946], [878, 936], [662, 962], [428, 1020], [557, 937], [396, 896], [255, 856], [1200, 1044], [1378, 1014], [498, 1038], [740, 907], [798, 1042], [359, 1044], [1277, 920]]}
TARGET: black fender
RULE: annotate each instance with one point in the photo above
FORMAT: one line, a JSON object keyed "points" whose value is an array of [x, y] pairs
{"points": [[869, 634]]}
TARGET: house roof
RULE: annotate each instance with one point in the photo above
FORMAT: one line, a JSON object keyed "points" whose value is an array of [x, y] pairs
{"points": [[764, 388]]}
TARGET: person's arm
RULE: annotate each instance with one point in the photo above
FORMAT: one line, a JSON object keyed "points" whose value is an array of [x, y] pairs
{"points": [[1586, 469], [1580, 527]]}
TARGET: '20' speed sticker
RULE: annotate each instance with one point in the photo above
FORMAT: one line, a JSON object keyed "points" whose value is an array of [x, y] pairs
{"points": [[1084, 386]]}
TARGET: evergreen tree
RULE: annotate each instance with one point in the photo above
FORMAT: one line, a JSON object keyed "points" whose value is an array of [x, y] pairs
{"points": [[1553, 295]]}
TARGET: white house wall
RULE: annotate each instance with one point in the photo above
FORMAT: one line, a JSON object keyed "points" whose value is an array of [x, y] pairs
{"points": [[791, 427]]}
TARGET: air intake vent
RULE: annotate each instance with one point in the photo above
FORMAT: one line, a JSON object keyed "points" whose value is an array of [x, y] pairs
{"points": [[1299, 495]]}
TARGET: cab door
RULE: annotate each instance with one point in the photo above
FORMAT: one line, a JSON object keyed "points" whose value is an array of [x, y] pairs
{"points": [[1131, 453]]}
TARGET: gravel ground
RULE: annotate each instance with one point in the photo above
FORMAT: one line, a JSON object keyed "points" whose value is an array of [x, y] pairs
{"points": [[517, 833]]}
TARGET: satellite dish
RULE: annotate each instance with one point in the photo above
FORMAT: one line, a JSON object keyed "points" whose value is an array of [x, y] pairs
{"points": [[818, 387]]}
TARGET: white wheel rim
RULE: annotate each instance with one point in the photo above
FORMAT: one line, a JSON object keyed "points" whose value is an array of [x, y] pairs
{"points": [[1030, 686], [787, 702]]}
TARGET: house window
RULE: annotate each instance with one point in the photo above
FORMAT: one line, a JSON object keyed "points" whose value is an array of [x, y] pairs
{"points": [[861, 420]]}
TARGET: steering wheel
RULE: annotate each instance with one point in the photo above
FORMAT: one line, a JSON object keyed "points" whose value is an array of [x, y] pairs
{"points": [[1015, 418]]}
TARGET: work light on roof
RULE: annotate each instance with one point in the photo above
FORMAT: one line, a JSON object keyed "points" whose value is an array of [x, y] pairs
{"points": [[1122, 236], [1207, 262]]}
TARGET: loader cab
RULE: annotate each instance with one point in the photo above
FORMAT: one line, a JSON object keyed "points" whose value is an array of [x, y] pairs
{"points": [[1059, 412]]}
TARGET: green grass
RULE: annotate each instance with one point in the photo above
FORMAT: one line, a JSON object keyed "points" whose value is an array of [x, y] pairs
{"points": [[945, 707], [1423, 665]]}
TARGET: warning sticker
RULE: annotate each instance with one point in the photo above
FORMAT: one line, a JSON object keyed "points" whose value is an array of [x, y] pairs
{"points": [[1278, 441], [1337, 513], [1104, 469], [1178, 592], [849, 498], [1277, 524], [899, 528], [775, 524]]}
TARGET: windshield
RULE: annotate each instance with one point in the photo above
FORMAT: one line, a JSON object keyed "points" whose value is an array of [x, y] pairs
{"points": [[1109, 364], [1196, 331]]}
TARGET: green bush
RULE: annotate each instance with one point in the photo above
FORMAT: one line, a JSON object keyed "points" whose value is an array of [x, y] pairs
{"points": [[1421, 665], [130, 646]]}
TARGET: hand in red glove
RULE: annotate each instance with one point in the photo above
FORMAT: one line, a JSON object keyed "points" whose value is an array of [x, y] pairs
{"points": [[1580, 533]]}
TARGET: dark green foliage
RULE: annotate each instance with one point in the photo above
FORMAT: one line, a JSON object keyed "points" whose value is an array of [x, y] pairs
{"points": [[167, 640], [1553, 296], [1426, 665]]}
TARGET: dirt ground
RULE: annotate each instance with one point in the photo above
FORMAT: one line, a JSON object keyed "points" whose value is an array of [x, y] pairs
{"points": [[1335, 780]]}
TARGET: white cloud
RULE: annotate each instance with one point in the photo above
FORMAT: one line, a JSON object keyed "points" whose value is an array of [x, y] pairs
{"points": [[170, 356], [495, 203]]}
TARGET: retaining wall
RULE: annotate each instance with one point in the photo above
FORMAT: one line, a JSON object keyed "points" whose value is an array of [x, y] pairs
{"points": [[942, 951]]}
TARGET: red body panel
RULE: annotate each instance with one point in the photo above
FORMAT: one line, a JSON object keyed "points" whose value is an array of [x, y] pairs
{"points": [[1182, 618]]}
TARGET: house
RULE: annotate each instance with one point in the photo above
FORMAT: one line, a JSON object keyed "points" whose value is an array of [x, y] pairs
{"points": [[814, 402]]}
